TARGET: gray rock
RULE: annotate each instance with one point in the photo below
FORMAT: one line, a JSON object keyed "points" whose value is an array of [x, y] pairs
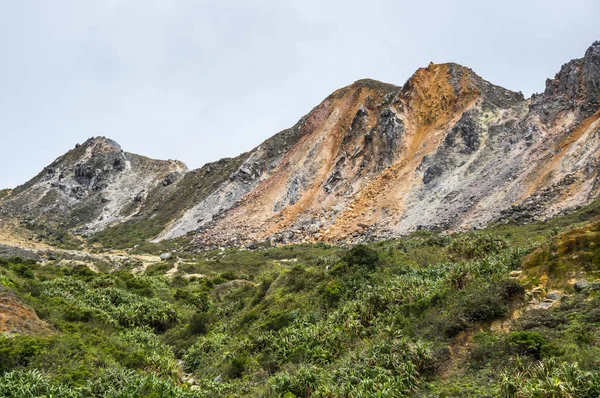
{"points": [[580, 285], [172, 177], [166, 256], [553, 295], [7, 251]]}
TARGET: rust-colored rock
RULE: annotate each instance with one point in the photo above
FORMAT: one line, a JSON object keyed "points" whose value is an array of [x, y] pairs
{"points": [[18, 318]]}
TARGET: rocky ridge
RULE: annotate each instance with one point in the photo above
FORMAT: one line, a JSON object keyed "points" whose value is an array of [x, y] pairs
{"points": [[92, 186]]}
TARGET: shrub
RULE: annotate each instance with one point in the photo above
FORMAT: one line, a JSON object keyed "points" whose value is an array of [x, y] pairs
{"points": [[76, 314], [204, 347], [362, 256], [82, 271], [181, 294], [488, 302], [236, 366], [228, 275], [115, 305], [199, 323], [477, 245], [298, 279], [24, 271], [549, 378], [526, 343], [487, 347], [484, 305], [18, 351], [332, 292], [278, 320]]}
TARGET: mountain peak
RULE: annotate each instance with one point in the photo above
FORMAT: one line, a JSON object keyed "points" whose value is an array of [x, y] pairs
{"points": [[373, 84], [591, 72], [449, 86], [579, 79], [101, 142]]}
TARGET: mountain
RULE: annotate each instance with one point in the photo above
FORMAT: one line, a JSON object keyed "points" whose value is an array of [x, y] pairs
{"points": [[90, 307], [90, 187], [447, 150]]}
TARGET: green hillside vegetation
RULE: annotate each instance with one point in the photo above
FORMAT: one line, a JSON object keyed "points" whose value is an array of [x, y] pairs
{"points": [[427, 315]]}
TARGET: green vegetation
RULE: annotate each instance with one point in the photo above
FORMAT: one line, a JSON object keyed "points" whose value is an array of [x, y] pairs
{"points": [[55, 236], [417, 316]]}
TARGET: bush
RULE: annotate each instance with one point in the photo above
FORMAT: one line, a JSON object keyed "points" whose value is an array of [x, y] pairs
{"points": [[18, 351], [526, 343], [484, 305], [278, 320], [298, 279], [362, 256], [24, 271], [487, 347], [228, 275], [236, 366], [332, 292], [76, 314], [550, 378], [82, 271], [477, 245], [199, 323]]}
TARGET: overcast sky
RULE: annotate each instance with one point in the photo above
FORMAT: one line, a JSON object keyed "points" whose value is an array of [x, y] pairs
{"points": [[197, 80]]}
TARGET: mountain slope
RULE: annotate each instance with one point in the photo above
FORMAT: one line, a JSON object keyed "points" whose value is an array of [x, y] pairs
{"points": [[447, 150], [92, 186]]}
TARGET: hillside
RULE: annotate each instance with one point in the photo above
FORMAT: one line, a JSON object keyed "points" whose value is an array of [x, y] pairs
{"points": [[510, 311]]}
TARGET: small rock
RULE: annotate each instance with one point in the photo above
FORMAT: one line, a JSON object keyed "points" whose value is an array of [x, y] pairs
{"points": [[580, 285], [171, 178], [165, 256], [537, 292], [553, 295], [515, 274]]}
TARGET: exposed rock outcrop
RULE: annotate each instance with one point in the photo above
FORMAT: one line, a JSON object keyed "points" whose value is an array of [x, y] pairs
{"points": [[90, 187]]}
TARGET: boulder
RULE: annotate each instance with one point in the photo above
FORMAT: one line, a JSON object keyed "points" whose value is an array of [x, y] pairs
{"points": [[166, 256], [553, 295], [580, 285]]}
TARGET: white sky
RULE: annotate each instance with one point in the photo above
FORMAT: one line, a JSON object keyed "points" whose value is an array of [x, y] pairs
{"points": [[201, 80]]}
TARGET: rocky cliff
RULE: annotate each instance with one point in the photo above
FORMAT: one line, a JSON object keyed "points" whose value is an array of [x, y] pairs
{"points": [[92, 186], [447, 150]]}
